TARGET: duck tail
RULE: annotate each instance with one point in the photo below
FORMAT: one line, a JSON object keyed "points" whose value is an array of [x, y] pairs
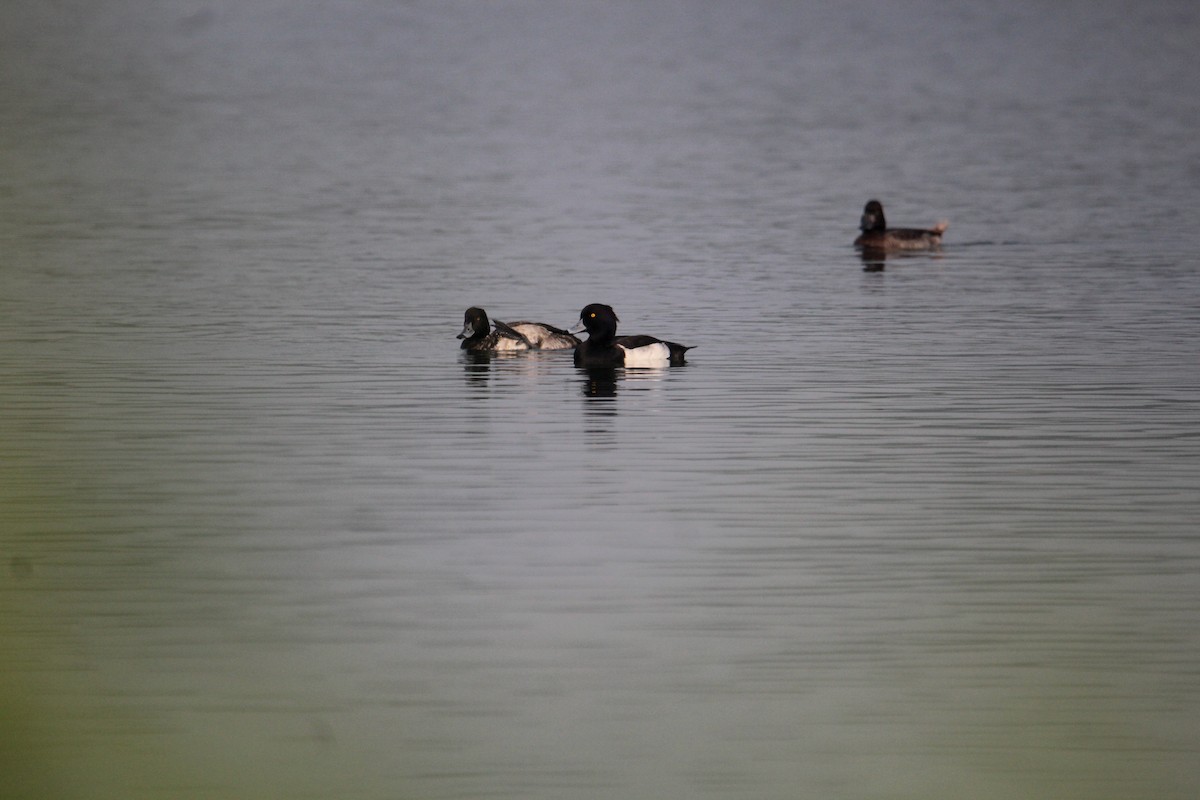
{"points": [[941, 226]]}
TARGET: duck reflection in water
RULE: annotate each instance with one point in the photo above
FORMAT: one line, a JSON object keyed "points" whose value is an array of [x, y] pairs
{"points": [[480, 368], [875, 259], [599, 382], [604, 383], [476, 366]]}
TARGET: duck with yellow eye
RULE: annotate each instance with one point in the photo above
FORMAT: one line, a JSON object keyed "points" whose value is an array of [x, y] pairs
{"points": [[603, 348]]}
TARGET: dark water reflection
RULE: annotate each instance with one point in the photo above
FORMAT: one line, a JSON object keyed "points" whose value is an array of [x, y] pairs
{"points": [[605, 383], [599, 382], [267, 531], [875, 259]]}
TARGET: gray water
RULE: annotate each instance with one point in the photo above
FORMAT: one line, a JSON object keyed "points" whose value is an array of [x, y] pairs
{"points": [[923, 528]]}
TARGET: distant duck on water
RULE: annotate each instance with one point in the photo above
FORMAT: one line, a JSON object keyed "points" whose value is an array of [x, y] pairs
{"points": [[876, 235], [479, 337]]}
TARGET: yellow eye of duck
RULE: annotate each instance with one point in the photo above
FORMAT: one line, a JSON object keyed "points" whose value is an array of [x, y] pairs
{"points": [[592, 315]]}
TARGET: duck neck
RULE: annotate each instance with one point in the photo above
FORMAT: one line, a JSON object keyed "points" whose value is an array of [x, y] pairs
{"points": [[601, 338]]}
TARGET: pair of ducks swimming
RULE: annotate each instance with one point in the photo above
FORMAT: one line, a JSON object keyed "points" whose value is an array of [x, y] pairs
{"points": [[602, 348]]}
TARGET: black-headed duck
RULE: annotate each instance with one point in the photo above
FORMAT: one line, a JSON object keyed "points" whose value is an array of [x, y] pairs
{"points": [[603, 348], [478, 336], [876, 235]]}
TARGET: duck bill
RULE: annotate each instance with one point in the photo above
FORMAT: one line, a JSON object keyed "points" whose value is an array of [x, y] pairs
{"points": [[467, 332], [578, 327]]}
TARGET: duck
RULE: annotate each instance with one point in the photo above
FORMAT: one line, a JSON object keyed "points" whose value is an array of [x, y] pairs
{"points": [[876, 235], [603, 348], [478, 336]]}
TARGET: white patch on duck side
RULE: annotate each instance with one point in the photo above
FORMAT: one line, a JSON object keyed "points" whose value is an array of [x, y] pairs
{"points": [[650, 355], [542, 337], [504, 344]]}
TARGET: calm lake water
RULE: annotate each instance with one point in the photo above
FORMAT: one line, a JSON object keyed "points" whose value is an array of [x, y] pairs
{"points": [[924, 528]]}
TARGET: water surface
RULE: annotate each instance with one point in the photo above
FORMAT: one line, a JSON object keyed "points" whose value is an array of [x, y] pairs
{"points": [[919, 528]]}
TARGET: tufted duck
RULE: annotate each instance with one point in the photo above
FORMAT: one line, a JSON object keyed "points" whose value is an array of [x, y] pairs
{"points": [[603, 348]]}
